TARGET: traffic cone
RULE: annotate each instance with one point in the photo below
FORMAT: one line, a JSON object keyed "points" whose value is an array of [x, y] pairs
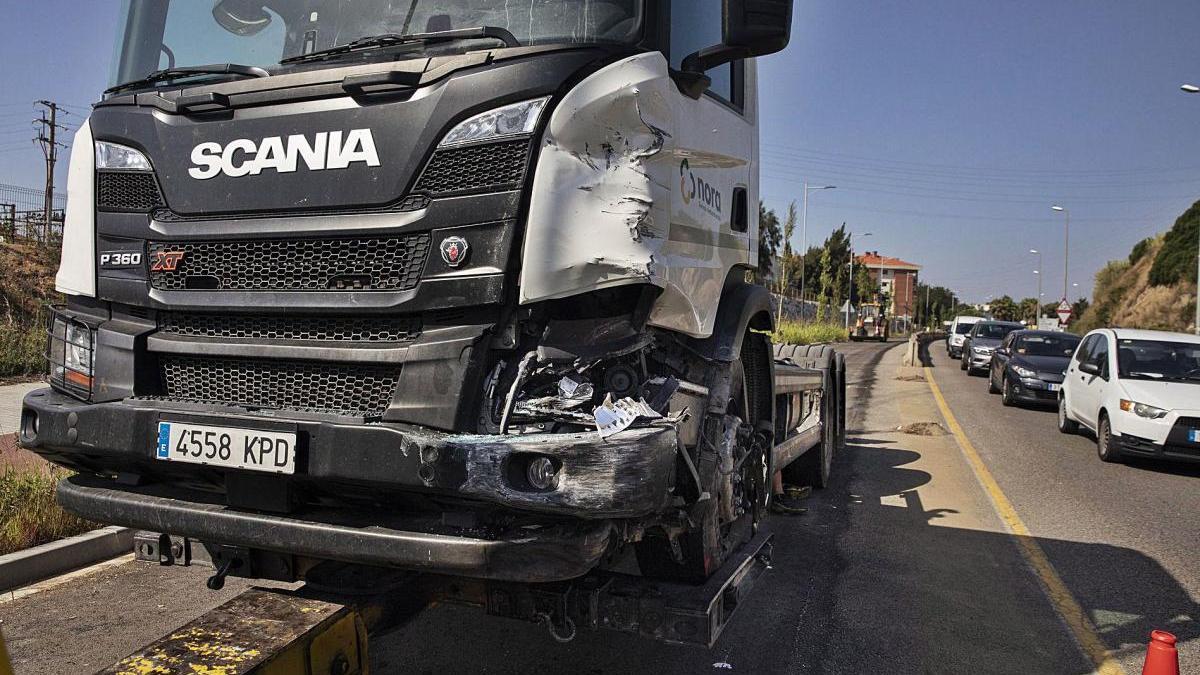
{"points": [[1161, 656]]}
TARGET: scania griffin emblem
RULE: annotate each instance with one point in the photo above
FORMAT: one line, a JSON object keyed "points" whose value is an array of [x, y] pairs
{"points": [[454, 251]]}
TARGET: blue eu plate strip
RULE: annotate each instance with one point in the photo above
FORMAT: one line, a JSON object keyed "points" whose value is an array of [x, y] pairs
{"points": [[164, 440]]}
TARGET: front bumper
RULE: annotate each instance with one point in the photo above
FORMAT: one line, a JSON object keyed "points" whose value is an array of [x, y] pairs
{"points": [[626, 476], [978, 361], [555, 553], [1033, 390], [1135, 446]]}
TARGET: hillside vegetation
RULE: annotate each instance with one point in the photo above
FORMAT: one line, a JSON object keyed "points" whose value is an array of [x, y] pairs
{"points": [[1155, 288], [26, 287]]}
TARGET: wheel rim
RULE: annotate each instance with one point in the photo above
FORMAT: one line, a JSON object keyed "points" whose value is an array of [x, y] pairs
{"points": [[1007, 391], [1062, 413]]}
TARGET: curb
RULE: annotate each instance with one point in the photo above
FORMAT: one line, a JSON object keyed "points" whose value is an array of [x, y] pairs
{"points": [[67, 555]]}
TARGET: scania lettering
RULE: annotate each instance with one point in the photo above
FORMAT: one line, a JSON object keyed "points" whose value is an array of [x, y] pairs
{"points": [[416, 290]]}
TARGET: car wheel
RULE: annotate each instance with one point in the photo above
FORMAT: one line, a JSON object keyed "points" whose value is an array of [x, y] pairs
{"points": [[1065, 424], [1007, 397], [962, 362], [1104, 442], [992, 388]]}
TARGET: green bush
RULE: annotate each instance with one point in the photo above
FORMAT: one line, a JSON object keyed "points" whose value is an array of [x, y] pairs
{"points": [[21, 350], [29, 516], [1139, 250], [796, 333], [1176, 260]]}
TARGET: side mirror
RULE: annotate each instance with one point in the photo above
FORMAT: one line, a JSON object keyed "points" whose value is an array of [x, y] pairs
{"points": [[760, 27], [241, 17], [1002, 351], [750, 28], [1089, 368]]}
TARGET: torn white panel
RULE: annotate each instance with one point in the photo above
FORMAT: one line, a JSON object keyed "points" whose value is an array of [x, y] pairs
{"points": [[602, 187], [77, 266], [613, 417]]}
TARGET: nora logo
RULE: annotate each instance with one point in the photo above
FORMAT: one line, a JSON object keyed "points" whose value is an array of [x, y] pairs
{"points": [[244, 157], [694, 188]]}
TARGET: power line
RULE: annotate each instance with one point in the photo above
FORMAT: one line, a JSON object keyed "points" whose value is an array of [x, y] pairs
{"points": [[47, 138]]}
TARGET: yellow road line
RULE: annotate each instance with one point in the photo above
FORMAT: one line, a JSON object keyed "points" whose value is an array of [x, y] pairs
{"points": [[1056, 591]]}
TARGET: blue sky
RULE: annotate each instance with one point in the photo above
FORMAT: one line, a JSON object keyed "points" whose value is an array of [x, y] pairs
{"points": [[949, 126]]}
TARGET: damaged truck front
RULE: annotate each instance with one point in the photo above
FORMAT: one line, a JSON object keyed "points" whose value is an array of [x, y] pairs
{"points": [[454, 287]]}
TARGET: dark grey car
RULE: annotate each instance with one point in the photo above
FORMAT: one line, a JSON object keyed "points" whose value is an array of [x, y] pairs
{"points": [[982, 342]]}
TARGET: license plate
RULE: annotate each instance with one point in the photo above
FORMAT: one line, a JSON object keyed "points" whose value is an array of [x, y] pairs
{"points": [[1194, 435], [1053, 387], [249, 449]]}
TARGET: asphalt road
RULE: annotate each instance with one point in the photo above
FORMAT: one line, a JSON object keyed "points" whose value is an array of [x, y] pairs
{"points": [[1124, 538], [902, 565]]}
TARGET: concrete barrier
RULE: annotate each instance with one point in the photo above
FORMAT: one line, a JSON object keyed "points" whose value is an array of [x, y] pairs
{"points": [[66, 555]]}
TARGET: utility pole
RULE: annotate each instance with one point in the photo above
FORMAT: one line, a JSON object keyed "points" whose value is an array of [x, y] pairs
{"points": [[804, 242], [48, 139], [1066, 248]]}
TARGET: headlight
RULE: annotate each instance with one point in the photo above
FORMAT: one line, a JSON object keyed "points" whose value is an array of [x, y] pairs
{"points": [[119, 157], [1024, 372], [71, 352], [982, 350], [1143, 410], [517, 119]]}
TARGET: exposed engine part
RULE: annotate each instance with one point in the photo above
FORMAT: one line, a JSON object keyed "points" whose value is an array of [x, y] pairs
{"points": [[510, 401], [621, 380]]}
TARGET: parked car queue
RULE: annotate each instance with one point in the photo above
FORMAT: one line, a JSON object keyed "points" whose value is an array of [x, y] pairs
{"points": [[1136, 391]]}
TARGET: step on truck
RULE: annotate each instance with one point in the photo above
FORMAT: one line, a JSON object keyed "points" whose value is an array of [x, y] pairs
{"points": [[455, 288]]}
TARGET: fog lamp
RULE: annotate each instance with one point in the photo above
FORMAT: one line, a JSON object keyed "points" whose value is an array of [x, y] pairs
{"points": [[541, 473]]}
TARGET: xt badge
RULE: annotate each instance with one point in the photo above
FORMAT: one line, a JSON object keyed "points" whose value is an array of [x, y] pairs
{"points": [[165, 261], [454, 251]]}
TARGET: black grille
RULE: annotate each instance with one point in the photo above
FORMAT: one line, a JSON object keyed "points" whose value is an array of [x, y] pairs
{"points": [[127, 191], [316, 328], [292, 265], [478, 168], [281, 385]]}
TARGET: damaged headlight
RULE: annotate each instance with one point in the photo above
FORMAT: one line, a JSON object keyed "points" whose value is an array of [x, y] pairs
{"points": [[71, 352], [518, 119]]}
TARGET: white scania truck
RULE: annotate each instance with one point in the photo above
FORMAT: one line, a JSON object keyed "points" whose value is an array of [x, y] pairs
{"points": [[452, 287]]}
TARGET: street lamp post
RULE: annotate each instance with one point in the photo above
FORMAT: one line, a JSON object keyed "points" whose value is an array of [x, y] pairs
{"points": [[1038, 272], [1193, 89], [1066, 247], [850, 286], [803, 244]]}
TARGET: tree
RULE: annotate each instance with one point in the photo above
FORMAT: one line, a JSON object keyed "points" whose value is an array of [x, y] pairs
{"points": [[864, 288], [942, 304], [768, 242], [787, 273], [827, 281], [1028, 310], [1004, 309]]}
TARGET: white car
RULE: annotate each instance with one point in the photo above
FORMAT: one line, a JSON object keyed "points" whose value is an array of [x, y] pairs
{"points": [[958, 332], [1138, 390]]}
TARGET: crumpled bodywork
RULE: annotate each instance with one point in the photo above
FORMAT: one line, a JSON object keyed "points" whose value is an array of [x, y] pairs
{"points": [[601, 195]]}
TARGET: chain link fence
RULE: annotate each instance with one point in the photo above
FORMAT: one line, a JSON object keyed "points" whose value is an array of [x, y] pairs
{"points": [[23, 215]]}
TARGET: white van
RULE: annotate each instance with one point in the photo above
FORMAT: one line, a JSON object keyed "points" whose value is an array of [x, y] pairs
{"points": [[958, 332]]}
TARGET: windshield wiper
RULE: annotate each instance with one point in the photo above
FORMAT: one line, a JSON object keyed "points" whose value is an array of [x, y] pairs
{"points": [[167, 74], [390, 39]]}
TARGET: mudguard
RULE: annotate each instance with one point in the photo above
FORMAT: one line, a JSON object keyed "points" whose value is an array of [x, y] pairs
{"points": [[742, 306]]}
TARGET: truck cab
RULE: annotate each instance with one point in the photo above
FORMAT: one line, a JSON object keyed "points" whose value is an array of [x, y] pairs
{"points": [[455, 286]]}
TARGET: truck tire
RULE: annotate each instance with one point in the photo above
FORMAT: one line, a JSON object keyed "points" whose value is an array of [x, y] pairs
{"points": [[712, 538], [814, 467]]}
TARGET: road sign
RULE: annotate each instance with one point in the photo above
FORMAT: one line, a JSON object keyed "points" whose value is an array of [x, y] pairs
{"points": [[1064, 312]]}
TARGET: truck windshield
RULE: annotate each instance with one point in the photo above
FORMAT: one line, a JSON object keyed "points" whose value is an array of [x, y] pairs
{"points": [[157, 34]]}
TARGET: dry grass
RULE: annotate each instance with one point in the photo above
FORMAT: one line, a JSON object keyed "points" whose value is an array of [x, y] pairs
{"points": [[796, 333], [26, 287], [29, 516], [1124, 296]]}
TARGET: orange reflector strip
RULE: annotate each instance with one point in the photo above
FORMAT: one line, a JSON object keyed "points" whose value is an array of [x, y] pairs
{"points": [[79, 379]]}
